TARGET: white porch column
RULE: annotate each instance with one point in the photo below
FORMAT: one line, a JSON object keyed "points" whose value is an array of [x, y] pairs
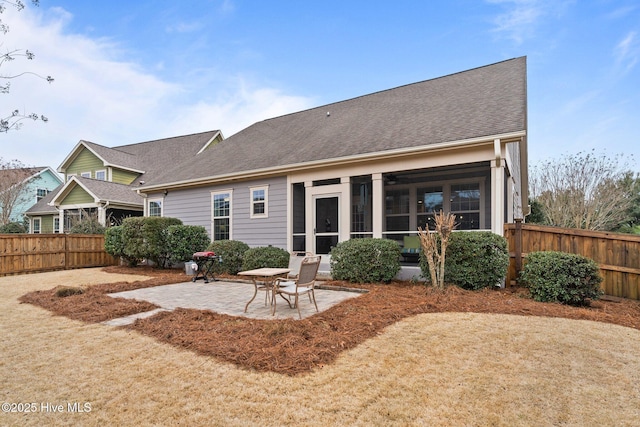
{"points": [[497, 189], [308, 221], [61, 216], [345, 209], [377, 199], [102, 215]]}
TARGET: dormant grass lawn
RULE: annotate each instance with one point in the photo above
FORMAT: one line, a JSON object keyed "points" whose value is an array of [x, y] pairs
{"points": [[431, 369]]}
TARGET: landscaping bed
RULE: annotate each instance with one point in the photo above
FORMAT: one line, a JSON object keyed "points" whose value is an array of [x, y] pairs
{"points": [[294, 347]]}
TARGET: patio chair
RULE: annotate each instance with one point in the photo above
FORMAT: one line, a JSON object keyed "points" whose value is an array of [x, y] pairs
{"points": [[303, 284], [294, 263]]}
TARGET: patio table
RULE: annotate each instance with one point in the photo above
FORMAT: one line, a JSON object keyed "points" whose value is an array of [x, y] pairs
{"points": [[266, 277]]}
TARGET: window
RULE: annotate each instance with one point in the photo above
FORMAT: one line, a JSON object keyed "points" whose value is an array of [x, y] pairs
{"points": [[155, 207], [70, 176], [221, 215], [36, 225], [85, 174], [56, 224], [259, 196], [101, 175], [40, 193]]}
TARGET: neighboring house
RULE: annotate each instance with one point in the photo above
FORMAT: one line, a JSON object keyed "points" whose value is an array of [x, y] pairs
{"points": [[100, 181], [38, 182], [379, 165]]}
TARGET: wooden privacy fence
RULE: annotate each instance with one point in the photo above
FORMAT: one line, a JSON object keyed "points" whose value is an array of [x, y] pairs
{"points": [[32, 253], [618, 255]]}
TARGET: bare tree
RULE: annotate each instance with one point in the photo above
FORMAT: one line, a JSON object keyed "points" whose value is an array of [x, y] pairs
{"points": [[434, 246], [13, 120], [14, 178], [583, 190]]}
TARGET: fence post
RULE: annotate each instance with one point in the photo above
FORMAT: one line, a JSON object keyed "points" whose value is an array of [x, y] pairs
{"points": [[518, 248]]}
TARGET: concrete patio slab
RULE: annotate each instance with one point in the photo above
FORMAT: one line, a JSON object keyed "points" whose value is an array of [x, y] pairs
{"points": [[227, 298]]}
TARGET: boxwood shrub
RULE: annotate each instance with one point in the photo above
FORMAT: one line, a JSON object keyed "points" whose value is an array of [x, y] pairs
{"points": [[232, 253], [474, 260], [114, 245], [561, 277], [146, 238], [369, 260], [265, 256], [184, 240]]}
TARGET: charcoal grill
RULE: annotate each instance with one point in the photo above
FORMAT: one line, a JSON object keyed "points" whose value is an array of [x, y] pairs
{"points": [[203, 265]]}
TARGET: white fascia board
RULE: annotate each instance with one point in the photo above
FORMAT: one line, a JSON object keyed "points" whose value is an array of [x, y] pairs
{"points": [[401, 152]]}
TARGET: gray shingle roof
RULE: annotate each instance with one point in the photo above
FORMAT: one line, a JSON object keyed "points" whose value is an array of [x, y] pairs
{"points": [[111, 191], [42, 207], [153, 157], [489, 100]]}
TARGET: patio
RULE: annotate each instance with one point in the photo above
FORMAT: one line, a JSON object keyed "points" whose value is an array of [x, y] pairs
{"points": [[226, 297]]}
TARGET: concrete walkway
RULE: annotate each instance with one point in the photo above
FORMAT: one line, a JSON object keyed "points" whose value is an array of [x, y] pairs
{"points": [[227, 298]]}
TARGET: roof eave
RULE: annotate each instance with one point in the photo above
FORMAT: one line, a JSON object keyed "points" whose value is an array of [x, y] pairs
{"points": [[401, 152]]}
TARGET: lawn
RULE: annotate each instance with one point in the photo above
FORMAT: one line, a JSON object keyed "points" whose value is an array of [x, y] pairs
{"points": [[423, 358]]}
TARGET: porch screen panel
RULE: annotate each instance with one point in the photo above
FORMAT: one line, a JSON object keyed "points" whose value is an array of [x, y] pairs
{"points": [[465, 204], [299, 236], [397, 210], [361, 207], [430, 200]]}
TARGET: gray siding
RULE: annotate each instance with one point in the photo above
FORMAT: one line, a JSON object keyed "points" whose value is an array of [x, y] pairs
{"points": [[193, 207]]}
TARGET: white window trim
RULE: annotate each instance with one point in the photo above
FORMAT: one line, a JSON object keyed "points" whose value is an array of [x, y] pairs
{"points": [[70, 176], [85, 174], [264, 188], [33, 225], [104, 171], [213, 218], [156, 200], [56, 230]]}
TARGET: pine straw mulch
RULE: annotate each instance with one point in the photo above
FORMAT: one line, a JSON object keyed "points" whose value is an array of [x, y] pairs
{"points": [[295, 347]]}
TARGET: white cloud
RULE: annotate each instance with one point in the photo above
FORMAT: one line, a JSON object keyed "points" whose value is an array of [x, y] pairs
{"points": [[627, 52], [100, 94], [520, 18]]}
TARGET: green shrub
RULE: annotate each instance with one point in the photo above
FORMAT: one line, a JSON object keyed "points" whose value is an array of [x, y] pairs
{"points": [[369, 260], [184, 240], [133, 239], [146, 237], [561, 277], [114, 245], [265, 256], [232, 253], [12, 228], [474, 260], [87, 226]]}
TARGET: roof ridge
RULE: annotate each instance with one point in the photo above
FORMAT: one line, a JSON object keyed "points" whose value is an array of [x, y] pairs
{"points": [[164, 139], [393, 88]]}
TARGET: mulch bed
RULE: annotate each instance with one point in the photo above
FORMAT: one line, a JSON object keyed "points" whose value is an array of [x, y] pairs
{"points": [[294, 347]]}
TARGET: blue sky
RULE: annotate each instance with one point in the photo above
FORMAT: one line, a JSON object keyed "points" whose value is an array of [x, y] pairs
{"points": [[128, 72]]}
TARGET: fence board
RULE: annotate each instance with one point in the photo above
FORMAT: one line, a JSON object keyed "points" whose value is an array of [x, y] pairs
{"points": [[33, 253], [618, 255]]}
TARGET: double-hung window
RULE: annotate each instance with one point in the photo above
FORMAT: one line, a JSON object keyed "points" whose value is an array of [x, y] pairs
{"points": [[221, 215], [259, 200], [36, 225]]}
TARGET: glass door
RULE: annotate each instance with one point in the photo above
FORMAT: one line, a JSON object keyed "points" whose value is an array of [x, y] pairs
{"points": [[326, 227]]}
